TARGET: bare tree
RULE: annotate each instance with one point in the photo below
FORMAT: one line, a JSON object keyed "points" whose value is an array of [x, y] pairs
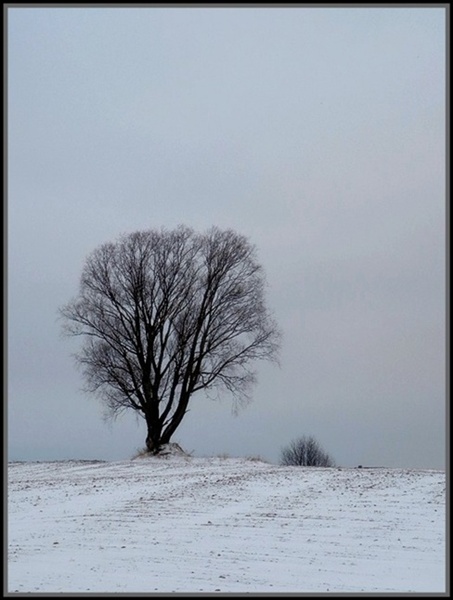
{"points": [[165, 314], [305, 452]]}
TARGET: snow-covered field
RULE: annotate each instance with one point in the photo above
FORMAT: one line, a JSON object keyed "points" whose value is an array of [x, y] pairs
{"points": [[181, 524]]}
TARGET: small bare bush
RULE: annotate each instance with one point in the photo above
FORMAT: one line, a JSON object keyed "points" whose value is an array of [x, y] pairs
{"points": [[305, 452]]}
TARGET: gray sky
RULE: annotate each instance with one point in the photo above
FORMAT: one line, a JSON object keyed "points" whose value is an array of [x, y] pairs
{"points": [[319, 133]]}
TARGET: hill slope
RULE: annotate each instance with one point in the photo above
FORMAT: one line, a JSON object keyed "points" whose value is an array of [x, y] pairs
{"points": [[181, 524]]}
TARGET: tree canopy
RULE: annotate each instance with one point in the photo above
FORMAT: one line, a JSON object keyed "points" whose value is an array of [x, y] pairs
{"points": [[165, 314]]}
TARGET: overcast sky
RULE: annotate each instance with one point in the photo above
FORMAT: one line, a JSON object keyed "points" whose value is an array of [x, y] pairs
{"points": [[319, 133]]}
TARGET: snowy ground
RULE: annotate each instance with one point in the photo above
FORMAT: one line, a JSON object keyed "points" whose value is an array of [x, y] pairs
{"points": [[180, 524]]}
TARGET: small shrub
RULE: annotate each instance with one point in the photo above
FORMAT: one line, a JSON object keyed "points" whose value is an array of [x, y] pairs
{"points": [[305, 452]]}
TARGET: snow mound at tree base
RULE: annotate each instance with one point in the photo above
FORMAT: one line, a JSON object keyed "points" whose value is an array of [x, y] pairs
{"points": [[172, 449], [167, 451]]}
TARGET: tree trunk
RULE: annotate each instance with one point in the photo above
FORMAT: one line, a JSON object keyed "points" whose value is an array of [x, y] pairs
{"points": [[176, 419], [153, 438]]}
